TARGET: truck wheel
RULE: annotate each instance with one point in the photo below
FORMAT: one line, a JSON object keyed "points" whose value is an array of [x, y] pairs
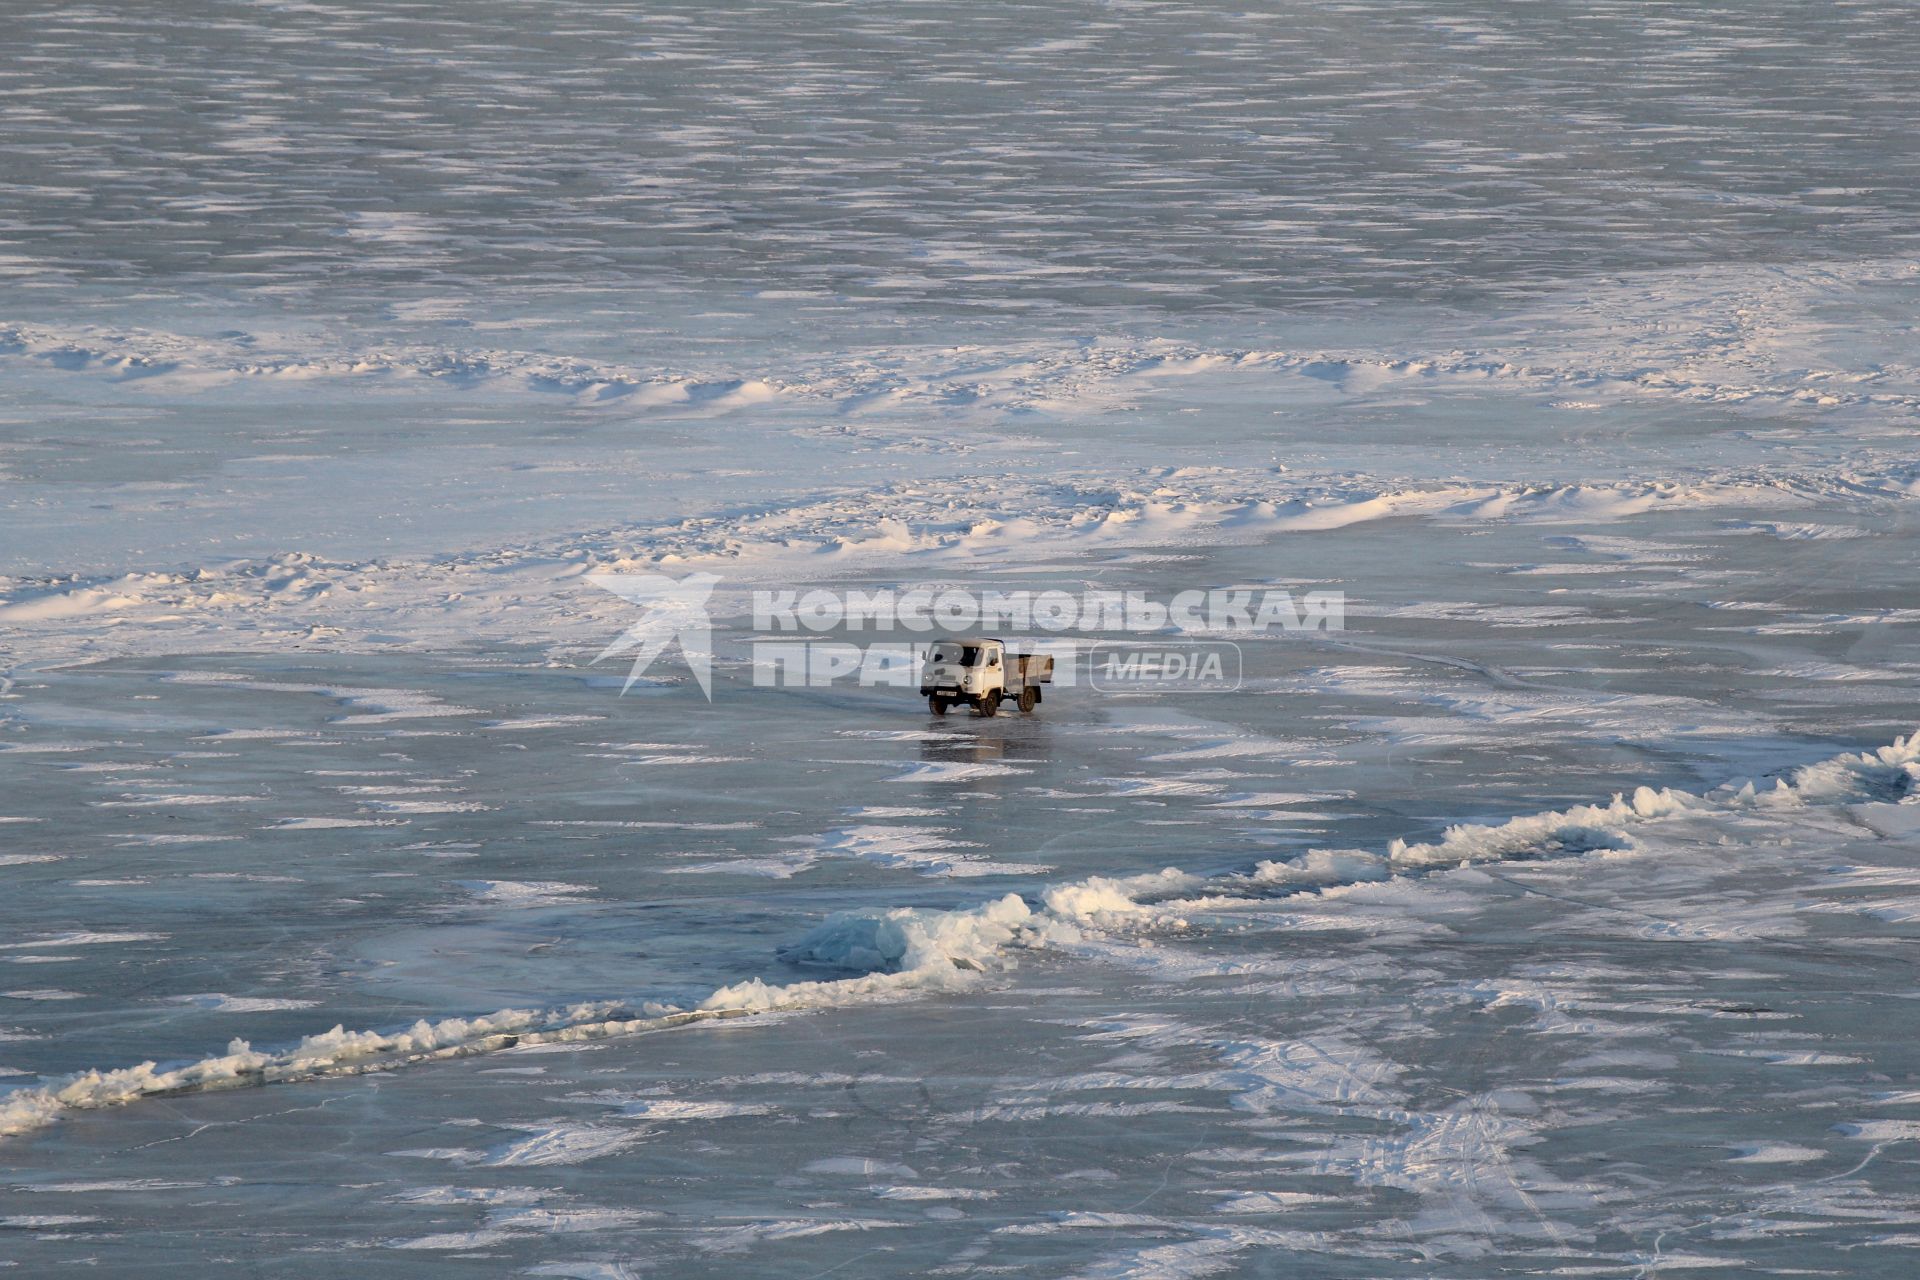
{"points": [[1029, 699], [936, 704], [989, 704]]}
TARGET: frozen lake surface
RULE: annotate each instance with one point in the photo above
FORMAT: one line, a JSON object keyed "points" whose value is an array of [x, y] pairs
{"points": [[1574, 343]]}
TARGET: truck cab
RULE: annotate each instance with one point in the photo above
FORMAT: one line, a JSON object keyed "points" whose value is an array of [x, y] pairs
{"points": [[979, 673]]}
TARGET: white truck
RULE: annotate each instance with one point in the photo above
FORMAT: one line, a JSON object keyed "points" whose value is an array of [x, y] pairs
{"points": [[979, 673]]}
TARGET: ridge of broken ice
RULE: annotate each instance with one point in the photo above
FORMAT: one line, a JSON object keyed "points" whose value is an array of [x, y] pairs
{"points": [[904, 952], [1647, 344], [505, 593]]}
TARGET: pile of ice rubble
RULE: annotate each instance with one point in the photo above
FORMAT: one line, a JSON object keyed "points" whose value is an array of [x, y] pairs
{"points": [[907, 951]]}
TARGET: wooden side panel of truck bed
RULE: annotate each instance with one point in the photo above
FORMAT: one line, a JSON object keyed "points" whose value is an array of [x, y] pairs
{"points": [[1034, 668]]}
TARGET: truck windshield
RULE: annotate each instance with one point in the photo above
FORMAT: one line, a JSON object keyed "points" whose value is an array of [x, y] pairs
{"points": [[965, 655]]}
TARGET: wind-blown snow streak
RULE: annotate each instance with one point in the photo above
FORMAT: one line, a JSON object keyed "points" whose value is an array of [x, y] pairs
{"points": [[906, 952]]}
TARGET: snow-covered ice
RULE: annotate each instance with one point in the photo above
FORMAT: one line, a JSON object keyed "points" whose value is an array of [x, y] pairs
{"points": [[1551, 919]]}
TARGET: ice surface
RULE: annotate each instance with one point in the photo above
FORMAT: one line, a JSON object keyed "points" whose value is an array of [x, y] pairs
{"points": [[1553, 919]]}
